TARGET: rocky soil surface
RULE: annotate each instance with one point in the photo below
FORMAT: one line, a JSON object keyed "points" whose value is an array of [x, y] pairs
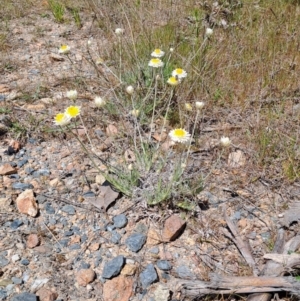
{"points": [[65, 235]]}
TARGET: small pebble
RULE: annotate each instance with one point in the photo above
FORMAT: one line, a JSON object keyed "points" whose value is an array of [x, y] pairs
{"points": [[3, 294], [68, 233], [148, 276], [135, 241], [29, 170], [15, 258], [3, 261], [22, 186], [75, 247], [120, 221], [110, 228], [22, 162], [115, 237], [84, 265], [113, 268], [25, 297], [16, 224], [164, 265], [69, 209], [184, 272], [17, 280], [25, 261], [49, 209]]}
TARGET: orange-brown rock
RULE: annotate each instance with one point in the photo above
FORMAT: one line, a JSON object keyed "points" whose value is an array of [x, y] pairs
{"points": [[118, 289], [32, 241], [129, 269], [174, 226], [7, 169], [46, 295], [153, 237], [85, 276], [26, 203]]}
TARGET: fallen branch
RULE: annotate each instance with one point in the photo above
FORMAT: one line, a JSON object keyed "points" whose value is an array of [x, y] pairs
{"points": [[225, 285]]}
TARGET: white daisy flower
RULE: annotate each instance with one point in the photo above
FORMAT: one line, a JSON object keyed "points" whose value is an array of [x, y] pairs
{"points": [[63, 49], [62, 119], [155, 63], [179, 135], [157, 53], [180, 73]]}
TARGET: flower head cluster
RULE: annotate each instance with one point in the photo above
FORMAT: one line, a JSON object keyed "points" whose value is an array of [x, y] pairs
{"points": [[225, 141], [64, 49], [156, 63], [73, 111], [157, 53], [62, 119], [180, 135], [177, 75], [199, 105], [173, 81], [119, 31], [65, 118], [180, 73], [208, 32], [100, 102], [72, 94]]}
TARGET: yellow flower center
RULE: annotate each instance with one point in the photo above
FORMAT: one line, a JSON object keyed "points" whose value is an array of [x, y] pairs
{"points": [[72, 111], [157, 51], [64, 47], [155, 61], [59, 117], [179, 133], [173, 80], [179, 71]]}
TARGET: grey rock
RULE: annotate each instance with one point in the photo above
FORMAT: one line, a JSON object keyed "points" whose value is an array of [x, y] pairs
{"points": [[29, 170], [3, 261], [49, 209], [41, 172], [148, 276], [16, 224], [89, 194], [237, 215], [84, 238], [164, 265], [25, 261], [141, 228], [135, 241], [64, 242], [68, 233], [25, 297], [68, 209], [17, 280], [115, 237], [41, 199], [154, 250], [22, 186], [120, 221], [14, 176], [184, 272], [3, 294], [110, 228], [75, 247], [22, 162], [84, 265], [113, 268]]}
